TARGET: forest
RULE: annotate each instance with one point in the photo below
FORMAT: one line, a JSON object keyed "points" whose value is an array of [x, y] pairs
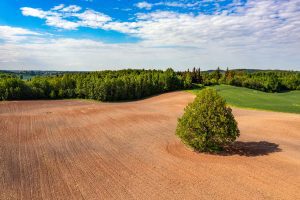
{"points": [[266, 81], [132, 84], [103, 85]]}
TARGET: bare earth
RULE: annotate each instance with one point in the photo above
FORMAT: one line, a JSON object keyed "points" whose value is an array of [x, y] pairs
{"points": [[88, 150]]}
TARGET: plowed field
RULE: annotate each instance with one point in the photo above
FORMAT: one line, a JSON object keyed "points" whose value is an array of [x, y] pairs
{"points": [[73, 149]]}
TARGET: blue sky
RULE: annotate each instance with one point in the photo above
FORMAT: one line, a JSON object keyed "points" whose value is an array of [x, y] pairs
{"points": [[115, 34]]}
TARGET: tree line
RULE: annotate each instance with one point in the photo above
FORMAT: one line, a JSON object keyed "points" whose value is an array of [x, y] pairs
{"points": [[266, 81], [103, 85], [135, 84]]}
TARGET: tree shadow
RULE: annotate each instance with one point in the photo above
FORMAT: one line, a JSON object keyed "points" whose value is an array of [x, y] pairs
{"points": [[250, 149]]}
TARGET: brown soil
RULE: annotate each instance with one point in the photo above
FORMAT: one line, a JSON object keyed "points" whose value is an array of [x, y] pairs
{"points": [[88, 150]]}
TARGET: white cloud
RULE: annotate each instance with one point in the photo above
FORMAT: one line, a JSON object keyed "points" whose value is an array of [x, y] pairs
{"points": [[178, 4], [258, 23], [93, 19], [73, 54], [33, 12], [144, 5], [72, 8], [59, 7], [59, 22], [258, 34], [52, 17], [59, 17], [16, 34]]}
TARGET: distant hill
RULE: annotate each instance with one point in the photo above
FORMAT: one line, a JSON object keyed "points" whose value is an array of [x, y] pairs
{"points": [[252, 70], [27, 74]]}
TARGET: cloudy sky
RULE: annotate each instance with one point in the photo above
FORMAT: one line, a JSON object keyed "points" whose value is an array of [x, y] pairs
{"points": [[114, 34]]}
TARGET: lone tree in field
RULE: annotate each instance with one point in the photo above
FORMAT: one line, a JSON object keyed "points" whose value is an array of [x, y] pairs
{"points": [[207, 124]]}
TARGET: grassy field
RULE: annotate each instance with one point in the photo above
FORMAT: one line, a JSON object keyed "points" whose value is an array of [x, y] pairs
{"points": [[248, 98]]}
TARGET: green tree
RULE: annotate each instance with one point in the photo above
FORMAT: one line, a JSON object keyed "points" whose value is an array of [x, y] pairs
{"points": [[217, 74], [187, 82], [208, 124]]}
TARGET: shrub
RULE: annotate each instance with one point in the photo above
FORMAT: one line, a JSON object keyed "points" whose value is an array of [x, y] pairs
{"points": [[208, 124]]}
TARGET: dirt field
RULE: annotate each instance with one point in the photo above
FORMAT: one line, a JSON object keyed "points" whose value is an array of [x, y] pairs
{"points": [[88, 150]]}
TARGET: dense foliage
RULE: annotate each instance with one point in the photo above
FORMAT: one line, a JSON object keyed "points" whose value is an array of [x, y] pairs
{"points": [[103, 86], [136, 84], [207, 124], [266, 81]]}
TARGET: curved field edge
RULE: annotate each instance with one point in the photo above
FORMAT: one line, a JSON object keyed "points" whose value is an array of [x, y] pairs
{"points": [[288, 102], [83, 150]]}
